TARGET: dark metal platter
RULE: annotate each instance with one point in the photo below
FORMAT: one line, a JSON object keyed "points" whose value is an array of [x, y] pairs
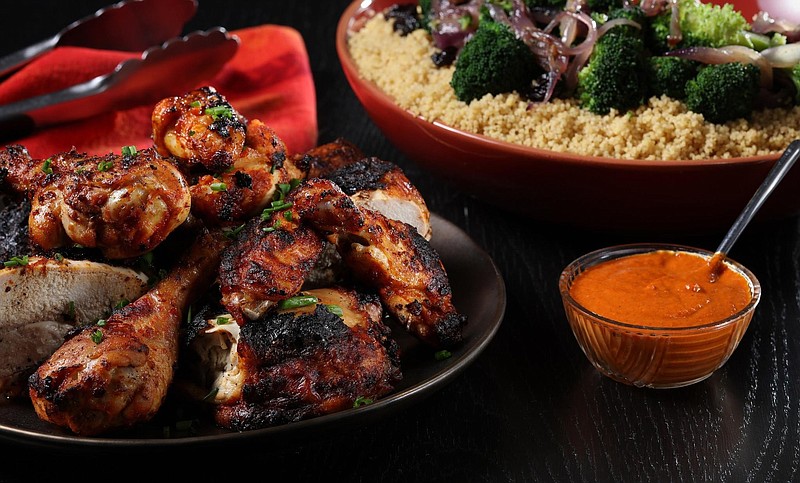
{"points": [[478, 291]]}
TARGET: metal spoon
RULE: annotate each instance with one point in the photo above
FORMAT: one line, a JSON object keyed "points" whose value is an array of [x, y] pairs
{"points": [[774, 177], [130, 25]]}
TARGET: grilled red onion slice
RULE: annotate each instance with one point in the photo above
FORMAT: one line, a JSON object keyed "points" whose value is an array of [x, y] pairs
{"points": [[764, 24], [783, 56], [724, 55]]}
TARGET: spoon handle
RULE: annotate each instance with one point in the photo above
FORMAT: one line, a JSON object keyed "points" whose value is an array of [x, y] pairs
{"points": [[775, 175]]}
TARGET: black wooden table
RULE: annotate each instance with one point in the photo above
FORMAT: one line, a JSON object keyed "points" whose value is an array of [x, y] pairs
{"points": [[530, 408]]}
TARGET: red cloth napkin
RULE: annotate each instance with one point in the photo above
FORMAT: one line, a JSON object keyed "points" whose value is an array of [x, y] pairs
{"points": [[269, 78]]}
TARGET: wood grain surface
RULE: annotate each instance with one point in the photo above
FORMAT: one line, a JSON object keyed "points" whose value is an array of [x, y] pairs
{"points": [[531, 407]]}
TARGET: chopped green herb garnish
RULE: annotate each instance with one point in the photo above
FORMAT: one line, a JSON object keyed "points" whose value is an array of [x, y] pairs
{"points": [[269, 228], [195, 103], [16, 261], [232, 232], [442, 355], [465, 21], [222, 320], [97, 336], [47, 167], [218, 112], [191, 132], [59, 257], [362, 401], [287, 215], [293, 183], [211, 394], [218, 187], [297, 301], [122, 303], [334, 309], [101, 322], [105, 165], [129, 150]]}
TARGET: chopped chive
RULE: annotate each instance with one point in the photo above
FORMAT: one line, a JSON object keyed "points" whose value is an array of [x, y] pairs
{"points": [[335, 310], [16, 261], [129, 150], [211, 394], [442, 355], [222, 320], [218, 187], [297, 301], [218, 112], [362, 401], [47, 167], [195, 104], [269, 228], [232, 232], [105, 165], [101, 322], [97, 336]]}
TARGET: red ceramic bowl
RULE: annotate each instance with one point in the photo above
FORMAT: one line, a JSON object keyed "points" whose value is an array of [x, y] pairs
{"points": [[589, 192]]}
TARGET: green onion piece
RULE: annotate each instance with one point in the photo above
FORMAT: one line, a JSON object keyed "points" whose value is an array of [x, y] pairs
{"points": [[105, 165], [362, 401], [47, 167], [293, 183], [442, 355], [232, 232], [191, 132], [335, 310], [97, 336], [269, 228], [297, 301], [219, 187], [287, 215], [101, 322], [465, 21], [59, 257], [222, 320], [16, 261], [218, 112], [129, 150], [211, 394], [195, 104], [122, 303]]}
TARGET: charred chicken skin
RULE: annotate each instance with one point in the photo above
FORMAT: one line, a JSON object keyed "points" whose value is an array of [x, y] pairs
{"points": [[389, 255], [294, 364], [115, 375], [124, 205], [233, 165]]}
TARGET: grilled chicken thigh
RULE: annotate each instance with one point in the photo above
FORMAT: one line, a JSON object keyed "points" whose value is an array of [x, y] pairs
{"points": [[124, 205], [44, 299], [293, 364], [389, 255], [117, 374]]}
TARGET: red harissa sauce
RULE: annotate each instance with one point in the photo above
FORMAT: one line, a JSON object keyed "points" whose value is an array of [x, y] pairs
{"points": [[662, 289]]}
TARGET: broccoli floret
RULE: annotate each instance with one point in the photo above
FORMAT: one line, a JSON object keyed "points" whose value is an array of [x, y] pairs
{"points": [[704, 25], [493, 61], [669, 75], [795, 76], [616, 75], [724, 92]]}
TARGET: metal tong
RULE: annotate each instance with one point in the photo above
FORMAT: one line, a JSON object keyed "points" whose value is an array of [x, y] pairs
{"points": [[130, 25], [164, 70]]}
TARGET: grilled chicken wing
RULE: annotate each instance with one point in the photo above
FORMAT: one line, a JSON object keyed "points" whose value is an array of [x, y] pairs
{"points": [[116, 375], [293, 364], [199, 128], [44, 299], [124, 205], [326, 158], [388, 254], [234, 165], [382, 186]]}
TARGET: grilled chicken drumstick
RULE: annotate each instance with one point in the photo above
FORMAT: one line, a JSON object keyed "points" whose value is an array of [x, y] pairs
{"points": [[125, 205], [117, 375]]}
